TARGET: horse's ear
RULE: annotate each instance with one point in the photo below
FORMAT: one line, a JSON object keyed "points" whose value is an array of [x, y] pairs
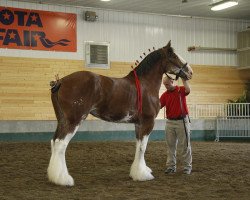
{"points": [[169, 44]]}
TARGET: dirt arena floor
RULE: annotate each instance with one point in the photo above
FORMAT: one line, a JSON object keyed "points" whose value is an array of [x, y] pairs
{"points": [[101, 171]]}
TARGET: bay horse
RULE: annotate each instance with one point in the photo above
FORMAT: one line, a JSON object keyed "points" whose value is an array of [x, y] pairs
{"points": [[115, 100]]}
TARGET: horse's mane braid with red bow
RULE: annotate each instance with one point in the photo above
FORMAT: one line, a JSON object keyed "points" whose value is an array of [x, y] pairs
{"points": [[146, 64]]}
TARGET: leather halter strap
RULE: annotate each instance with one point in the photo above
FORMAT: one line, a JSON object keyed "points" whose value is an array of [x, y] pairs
{"points": [[179, 74], [181, 71]]}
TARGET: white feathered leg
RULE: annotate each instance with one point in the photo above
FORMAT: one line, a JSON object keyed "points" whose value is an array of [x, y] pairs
{"points": [[57, 169], [139, 170]]}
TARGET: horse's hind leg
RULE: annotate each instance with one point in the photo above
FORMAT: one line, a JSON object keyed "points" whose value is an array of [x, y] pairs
{"points": [[57, 169], [139, 170]]}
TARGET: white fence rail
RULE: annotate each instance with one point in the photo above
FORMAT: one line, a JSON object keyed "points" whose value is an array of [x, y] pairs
{"points": [[219, 110], [206, 110], [233, 119], [235, 122], [232, 127]]}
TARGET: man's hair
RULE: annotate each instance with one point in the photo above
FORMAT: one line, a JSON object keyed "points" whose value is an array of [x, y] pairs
{"points": [[167, 79]]}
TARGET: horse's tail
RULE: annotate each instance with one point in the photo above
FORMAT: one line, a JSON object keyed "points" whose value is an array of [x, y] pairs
{"points": [[55, 86]]}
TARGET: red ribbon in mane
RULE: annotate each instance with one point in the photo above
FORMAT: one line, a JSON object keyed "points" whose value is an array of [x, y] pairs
{"points": [[139, 94]]}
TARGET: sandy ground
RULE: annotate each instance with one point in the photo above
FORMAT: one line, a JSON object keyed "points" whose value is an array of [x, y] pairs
{"points": [[101, 171]]}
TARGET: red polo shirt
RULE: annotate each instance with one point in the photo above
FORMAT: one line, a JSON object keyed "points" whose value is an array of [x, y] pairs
{"points": [[171, 100]]}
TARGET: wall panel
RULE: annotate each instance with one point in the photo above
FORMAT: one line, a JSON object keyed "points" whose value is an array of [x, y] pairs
{"points": [[25, 94], [130, 34], [25, 74]]}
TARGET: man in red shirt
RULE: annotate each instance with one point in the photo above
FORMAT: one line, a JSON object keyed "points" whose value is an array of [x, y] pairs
{"points": [[177, 125]]}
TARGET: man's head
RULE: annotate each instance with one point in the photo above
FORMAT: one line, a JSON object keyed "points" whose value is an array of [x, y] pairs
{"points": [[168, 82]]}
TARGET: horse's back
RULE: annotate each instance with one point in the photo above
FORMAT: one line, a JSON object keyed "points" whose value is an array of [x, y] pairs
{"points": [[75, 77]]}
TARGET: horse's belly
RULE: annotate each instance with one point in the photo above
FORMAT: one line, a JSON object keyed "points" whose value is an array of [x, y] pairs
{"points": [[125, 119], [119, 118]]}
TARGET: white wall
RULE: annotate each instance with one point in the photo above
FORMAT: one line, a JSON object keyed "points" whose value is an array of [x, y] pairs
{"points": [[131, 34]]}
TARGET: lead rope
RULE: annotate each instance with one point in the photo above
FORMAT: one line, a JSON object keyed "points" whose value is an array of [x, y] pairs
{"points": [[182, 111]]}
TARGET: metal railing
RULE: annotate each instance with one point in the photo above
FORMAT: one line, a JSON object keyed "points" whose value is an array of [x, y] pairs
{"points": [[219, 110], [232, 119], [214, 110], [235, 123], [197, 111]]}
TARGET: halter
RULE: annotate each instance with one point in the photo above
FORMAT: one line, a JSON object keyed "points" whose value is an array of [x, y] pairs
{"points": [[179, 73]]}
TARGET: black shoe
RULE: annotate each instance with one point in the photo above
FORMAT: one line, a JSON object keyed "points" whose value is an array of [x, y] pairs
{"points": [[187, 171], [170, 171]]}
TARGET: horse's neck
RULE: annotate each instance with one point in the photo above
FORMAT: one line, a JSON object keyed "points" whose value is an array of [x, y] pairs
{"points": [[152, 79]]}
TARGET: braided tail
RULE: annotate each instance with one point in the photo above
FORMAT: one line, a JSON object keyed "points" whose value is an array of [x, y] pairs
{"points": [[55, 86]]}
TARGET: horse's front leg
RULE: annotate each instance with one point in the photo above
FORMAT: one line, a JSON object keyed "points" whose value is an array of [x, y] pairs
{"points": [[139, 170]]}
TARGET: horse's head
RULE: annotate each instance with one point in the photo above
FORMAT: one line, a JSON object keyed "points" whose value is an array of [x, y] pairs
{"points": [[174, 64]]}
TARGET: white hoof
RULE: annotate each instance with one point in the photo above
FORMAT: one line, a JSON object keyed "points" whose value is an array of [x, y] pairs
{"points": [[64, 180], [59, 175], [141, 173], [149, 170], [57, 170], [67, 180]]}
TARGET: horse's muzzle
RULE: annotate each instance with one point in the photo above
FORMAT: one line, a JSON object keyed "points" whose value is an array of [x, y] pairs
{"points": [[185, 72], [184, 75]]}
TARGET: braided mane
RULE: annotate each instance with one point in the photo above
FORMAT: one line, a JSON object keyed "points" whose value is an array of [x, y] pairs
{"points": [[147, 63]]}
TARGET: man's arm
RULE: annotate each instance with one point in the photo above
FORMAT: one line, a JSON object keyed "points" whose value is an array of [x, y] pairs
{"points": [[186, 86], [162, 100]]}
